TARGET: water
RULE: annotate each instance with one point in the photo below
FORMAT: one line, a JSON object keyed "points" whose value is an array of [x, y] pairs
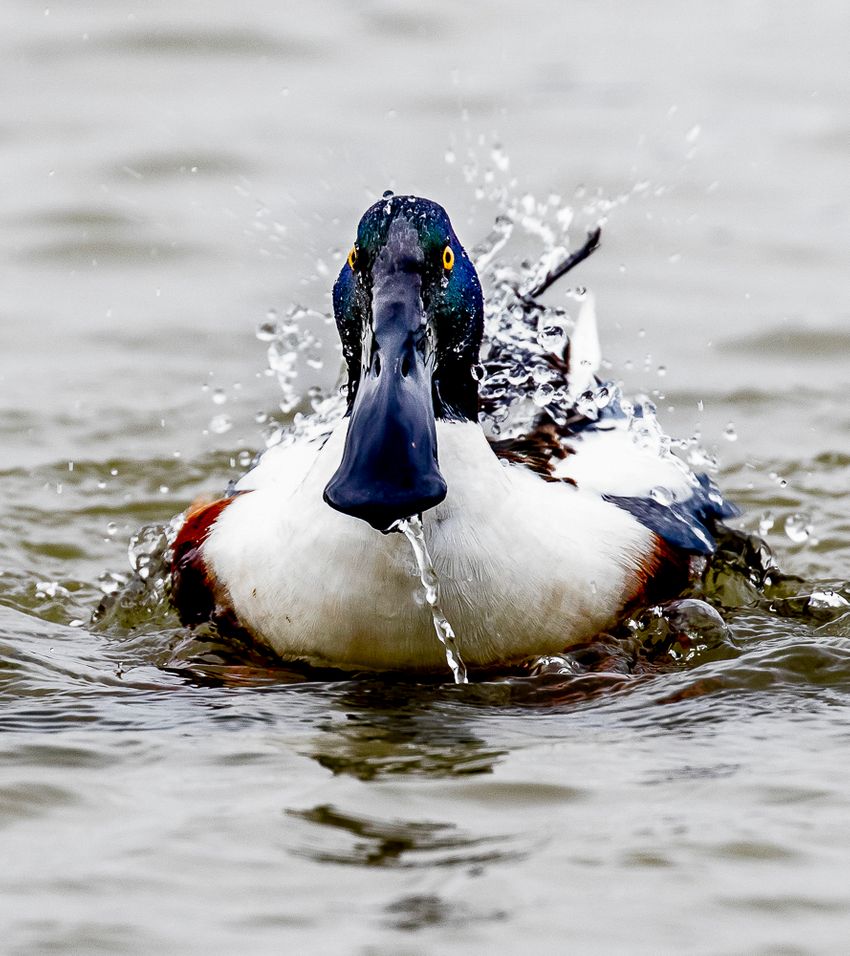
{"points": [[412, 529], [180, 172]]}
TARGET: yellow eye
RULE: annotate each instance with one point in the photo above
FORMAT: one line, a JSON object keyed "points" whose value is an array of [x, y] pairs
{"points": [[352, 257], [448, 257]]}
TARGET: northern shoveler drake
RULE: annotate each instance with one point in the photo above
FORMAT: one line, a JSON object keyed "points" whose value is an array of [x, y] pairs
{"points": [[542, 539]]}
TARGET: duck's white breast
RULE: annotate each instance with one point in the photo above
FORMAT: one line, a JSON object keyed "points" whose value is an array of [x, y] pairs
{"points": [[526, 566]]}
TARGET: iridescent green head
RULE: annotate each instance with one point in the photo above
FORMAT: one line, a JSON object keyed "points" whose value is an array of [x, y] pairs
{"points": [[409, 312], [416, 235]]}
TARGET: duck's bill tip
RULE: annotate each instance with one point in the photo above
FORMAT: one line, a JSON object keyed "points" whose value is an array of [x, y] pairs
{"points": [[383, 511]]}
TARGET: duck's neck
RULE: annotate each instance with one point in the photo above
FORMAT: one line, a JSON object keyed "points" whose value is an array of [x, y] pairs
{"points": [[467, 462]]}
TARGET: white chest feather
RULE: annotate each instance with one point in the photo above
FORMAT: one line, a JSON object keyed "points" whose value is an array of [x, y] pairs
{"points": [[526, 567]]}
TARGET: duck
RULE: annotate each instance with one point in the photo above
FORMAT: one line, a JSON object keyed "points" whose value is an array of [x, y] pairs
{"points": [[542, 537]]}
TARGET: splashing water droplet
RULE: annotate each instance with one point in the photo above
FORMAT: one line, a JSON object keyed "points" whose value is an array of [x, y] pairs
{"points": [[586, 404], [449, 157], [149, 543], [543, 394], [219, 424], [266, 331], [219, 396], [766, 522], [552, 338], [517, 375], [500, 158], [693, 134], [411, 528], [729, 432], [798, 527]]}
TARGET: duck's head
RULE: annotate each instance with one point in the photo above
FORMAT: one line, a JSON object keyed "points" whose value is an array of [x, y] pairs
{"points": [[409, 312]]}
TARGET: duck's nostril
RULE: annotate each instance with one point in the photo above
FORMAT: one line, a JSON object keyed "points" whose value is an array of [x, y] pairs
{"points": [[405, 366], [376, 364]]}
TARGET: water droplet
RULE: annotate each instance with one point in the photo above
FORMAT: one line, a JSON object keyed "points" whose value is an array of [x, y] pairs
{"points": [[798, 527], [542, 373], [729, 432], [517, 374], [147, 549], [219, 396], [693, 133], [543, 395], [500, 158], [220, 424], [766, 523], [112, 529], [552, 338], [478, 372], [387, 194], [586, 404], [662, 371], [449, 156], [261, 418]]}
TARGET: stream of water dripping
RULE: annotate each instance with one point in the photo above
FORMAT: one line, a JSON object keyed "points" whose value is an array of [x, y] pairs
{"points": [[411, 528]]}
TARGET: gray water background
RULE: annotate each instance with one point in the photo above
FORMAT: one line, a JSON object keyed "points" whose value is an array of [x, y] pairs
{"points": [[172, 171]]}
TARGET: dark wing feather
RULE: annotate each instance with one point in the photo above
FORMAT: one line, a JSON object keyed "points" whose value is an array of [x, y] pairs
{"points": [[689, 524]]}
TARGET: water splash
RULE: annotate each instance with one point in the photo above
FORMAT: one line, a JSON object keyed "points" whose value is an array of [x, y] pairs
{"points": [[798, 527], [292, 343], [412, 529]]}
